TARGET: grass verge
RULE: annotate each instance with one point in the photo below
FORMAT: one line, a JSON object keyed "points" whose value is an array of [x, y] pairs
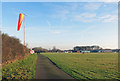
{"points": [[22, 69]]}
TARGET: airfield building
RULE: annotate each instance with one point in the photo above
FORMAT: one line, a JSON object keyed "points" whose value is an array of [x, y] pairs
{"points": [[87, 48]]}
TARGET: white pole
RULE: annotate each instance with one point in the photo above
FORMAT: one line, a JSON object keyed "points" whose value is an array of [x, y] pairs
{"points": [[24, 37]]}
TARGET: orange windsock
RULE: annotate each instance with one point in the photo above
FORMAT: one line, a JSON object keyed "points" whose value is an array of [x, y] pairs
{"points": [[21, 16]]}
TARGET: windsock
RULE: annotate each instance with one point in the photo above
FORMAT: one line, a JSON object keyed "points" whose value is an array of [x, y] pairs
{"points": [[21, 16]]}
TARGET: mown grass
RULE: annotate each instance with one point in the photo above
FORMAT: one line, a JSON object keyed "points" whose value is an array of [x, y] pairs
{"points": [[22, 69], [87, 66]]}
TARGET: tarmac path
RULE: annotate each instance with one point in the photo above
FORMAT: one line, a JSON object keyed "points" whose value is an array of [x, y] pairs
{"points": [[45, 69]]}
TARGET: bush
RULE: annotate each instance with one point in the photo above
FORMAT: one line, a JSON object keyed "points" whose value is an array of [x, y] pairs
{"points": [[12, 49]]}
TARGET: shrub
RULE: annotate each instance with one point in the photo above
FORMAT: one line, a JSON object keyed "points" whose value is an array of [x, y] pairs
{"points": [[12, 49]]}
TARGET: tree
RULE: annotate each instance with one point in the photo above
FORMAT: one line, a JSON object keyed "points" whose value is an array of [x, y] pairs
{"points": [[11, 48], [39, 49]]}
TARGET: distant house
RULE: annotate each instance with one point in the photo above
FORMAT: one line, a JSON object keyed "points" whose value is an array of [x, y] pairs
{"points": [[116, 50], [73, 51], [95, 51], [106, 50], [85, 51], [67, 51]]}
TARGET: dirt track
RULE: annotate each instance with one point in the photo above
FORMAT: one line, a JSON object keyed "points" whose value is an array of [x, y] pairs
{"points": [[45, 69]]}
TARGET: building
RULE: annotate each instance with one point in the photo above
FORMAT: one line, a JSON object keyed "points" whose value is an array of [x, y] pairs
{"points": [[85, 51], [116, 50], [95, 51], [68, 51], [106, 50], [86, 48]]}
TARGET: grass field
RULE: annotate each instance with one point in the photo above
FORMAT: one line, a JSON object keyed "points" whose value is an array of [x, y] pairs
{"points": [[87, 66], [22, 69]]}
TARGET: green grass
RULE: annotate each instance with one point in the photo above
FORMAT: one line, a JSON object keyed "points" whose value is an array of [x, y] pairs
{"points": [[87, 66], [22, 69]]}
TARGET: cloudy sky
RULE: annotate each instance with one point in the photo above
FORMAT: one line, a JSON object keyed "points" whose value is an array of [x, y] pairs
{"points": [[63, 24]]}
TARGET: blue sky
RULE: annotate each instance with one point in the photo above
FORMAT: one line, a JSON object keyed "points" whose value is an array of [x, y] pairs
{"points": [[63, 24]]}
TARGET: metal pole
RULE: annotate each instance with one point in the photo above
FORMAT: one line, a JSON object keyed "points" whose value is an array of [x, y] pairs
{"points": [[24, 37]]}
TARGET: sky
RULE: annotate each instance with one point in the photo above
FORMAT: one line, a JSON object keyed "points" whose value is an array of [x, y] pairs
{"points": [[63, 24], [60, 0]]}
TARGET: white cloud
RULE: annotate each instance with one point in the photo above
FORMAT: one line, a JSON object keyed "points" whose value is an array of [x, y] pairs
{"points": [[92, 6], [109, 18], [85, 17], [106, 16], [91, 17]]}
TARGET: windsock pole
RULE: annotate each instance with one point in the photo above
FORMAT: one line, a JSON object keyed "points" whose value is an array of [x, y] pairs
{"points": [[22, 19], [24, 37]]}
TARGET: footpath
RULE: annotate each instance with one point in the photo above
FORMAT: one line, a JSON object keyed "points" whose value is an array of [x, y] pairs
{"points": [[45, 69]]}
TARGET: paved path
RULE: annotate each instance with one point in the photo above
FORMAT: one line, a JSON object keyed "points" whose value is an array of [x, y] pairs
{"points": [[45, 69]]}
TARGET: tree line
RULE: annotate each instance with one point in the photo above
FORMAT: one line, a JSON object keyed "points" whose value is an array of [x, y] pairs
{"points": [[12, 49], [40, 49]]}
